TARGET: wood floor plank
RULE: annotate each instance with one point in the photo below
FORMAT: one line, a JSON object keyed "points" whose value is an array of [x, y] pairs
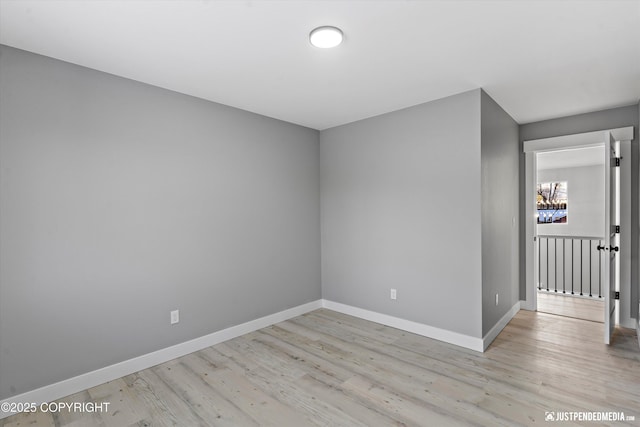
{"points": [[190, 380], [152, 384], [260, 406], [40, 419], [414, 412], [326, 368], [408, 373], [124, 405], [357, 409]]}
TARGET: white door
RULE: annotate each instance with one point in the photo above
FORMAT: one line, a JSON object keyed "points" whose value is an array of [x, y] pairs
{"points": [[611, 245]]}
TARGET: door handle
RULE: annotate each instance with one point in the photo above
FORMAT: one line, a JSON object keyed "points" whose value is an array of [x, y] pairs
{"points": [[600, 247], [615, 248]]}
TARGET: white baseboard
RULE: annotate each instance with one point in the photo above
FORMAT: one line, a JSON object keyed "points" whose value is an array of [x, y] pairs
{"points": [[450, 337], [629, 323], [527, 305], [100, 376], [498, 327]]}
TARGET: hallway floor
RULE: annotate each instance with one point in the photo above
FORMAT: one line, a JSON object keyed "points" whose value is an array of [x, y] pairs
{"points": [[578, 307]]}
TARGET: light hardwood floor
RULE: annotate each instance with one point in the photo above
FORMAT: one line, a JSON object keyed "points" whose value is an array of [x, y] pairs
{"points": [[579, 307], [330, 369]]}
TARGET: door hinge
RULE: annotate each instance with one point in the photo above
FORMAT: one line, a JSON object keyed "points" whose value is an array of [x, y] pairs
{"points": [[617, 161], [617, 295], [617, 229]]}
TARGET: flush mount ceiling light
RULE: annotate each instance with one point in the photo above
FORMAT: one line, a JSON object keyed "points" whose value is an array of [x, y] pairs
{"points": [[326, 37]]}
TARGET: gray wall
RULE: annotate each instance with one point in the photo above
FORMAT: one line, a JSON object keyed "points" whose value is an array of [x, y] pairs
{"points": [[585, 192], [606, 119], [500, 222], [401, 209], [121, 201]]}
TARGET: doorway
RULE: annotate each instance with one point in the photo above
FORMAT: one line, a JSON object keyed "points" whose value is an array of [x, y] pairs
{"points": [[570, 229], [560, 244]]}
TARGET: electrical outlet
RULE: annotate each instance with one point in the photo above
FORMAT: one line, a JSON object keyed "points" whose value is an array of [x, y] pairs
{"points": [[175, 316], [497, 299], [394, 294]]}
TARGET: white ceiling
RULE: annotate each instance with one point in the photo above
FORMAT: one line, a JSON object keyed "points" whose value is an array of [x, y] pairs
{"points": [[537, 59], [563, 159]]}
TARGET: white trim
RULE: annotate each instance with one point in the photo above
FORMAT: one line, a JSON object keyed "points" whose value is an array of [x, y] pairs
{"points": [[625, 304], [100, 376], [526, 305], [629, 323], [531, 255], [587, 139], [638, 324], [498, 327], [450, 337]]}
